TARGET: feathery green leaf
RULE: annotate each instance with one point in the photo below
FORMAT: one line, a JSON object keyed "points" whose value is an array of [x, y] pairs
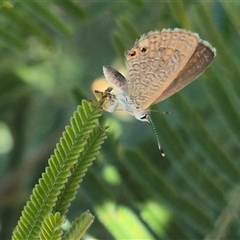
{"points": [[51, 227], [67, 153], [94, 141], [79, 226]]}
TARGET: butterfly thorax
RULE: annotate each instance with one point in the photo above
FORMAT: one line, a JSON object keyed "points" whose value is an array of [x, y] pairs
{"points": [[120, 102], [129, 105]]}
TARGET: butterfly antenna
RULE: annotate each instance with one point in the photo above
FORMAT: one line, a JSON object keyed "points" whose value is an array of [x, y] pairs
{"points": [[155, 132]]}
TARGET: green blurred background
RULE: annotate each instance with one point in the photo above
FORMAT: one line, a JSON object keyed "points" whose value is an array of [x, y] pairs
{"points": [[51, 57]]}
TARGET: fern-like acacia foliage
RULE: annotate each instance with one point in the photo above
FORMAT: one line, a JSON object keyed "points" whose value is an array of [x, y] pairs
{"points": [[79, 226], [58, 186], [50, 227]]}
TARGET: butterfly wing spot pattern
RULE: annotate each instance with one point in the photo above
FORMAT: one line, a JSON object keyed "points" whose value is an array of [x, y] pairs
{"points": [[159, 65]]}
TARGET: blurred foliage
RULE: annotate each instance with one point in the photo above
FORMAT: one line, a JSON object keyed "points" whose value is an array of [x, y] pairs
{"points": [[52, 51]]}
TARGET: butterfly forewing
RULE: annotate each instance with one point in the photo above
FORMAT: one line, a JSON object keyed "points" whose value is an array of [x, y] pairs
{"points": [[156, 61]]}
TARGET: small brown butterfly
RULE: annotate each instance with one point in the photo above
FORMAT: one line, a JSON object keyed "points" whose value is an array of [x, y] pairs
{"points": [[159, 65]]}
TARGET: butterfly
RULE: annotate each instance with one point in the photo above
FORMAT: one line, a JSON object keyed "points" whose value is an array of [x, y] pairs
{"points": [[159, 65]]}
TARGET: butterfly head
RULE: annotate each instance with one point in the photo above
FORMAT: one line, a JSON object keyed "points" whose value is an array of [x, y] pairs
{"points": [[143, 117]]}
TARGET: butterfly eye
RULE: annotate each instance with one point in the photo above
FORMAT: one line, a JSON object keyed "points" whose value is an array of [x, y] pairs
{"points": [[143, 117], [143, 49]]}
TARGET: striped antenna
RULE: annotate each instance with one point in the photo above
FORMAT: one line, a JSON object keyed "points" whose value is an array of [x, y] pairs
{"points": [[155, 132]]}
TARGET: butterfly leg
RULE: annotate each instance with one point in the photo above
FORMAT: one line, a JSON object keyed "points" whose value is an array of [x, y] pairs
{"points": [[108, 101]]}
